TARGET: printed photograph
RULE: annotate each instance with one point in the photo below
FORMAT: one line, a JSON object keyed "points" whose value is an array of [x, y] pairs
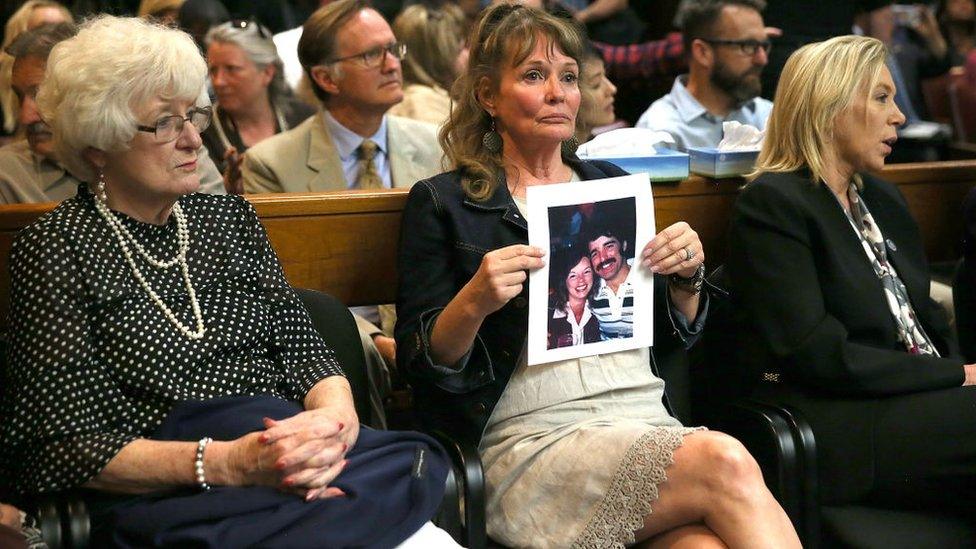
{"points": [[589, 298], [591, 251]]}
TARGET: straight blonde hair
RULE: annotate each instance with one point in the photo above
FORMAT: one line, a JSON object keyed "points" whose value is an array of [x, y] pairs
{"points": [[434, 38], [820, 81]]}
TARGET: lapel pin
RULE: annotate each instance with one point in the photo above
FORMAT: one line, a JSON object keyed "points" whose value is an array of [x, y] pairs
{"points": [[891, 245]]}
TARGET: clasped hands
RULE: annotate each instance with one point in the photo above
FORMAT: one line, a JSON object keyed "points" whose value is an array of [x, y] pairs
{"points": [[302, 454]]}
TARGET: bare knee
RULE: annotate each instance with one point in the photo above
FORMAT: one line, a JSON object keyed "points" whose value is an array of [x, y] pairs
{"points": [[729, 469]]}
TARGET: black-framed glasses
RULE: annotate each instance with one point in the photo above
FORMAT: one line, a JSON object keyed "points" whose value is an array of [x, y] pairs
{"points": [[249, 24], [169, 128], [747, 47], [374, 57]]}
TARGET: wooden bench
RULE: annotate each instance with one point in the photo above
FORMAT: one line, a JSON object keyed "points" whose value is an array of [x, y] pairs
{"points": [[345, 243]]}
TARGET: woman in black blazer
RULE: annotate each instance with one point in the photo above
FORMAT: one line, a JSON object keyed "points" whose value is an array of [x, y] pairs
{"points": [[830, 280]]}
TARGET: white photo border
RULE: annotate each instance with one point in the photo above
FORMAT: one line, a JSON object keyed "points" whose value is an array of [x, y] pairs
{"points": [[538, 201]]}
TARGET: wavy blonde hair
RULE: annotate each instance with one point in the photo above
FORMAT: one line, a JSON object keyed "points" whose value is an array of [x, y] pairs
{"points": [[434, 38], [503, 37], [17, 25], [820, 81]]}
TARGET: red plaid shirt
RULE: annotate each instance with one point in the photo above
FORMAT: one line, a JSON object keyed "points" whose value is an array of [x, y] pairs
{"points": [[654, 59]]}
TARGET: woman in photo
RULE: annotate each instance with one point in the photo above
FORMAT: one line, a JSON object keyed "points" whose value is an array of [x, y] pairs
{"points": [[571, 321]]}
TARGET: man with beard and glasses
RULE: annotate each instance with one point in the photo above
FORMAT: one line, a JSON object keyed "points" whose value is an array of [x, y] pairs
{"points": [[727, 47], [28, 170]]}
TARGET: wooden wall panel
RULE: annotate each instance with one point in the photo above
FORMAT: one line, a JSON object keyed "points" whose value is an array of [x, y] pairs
{"points": [[345, 243]]}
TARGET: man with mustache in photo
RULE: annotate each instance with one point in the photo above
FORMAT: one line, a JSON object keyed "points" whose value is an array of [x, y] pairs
{"points": [[612, 303], [29, 172], [727, 47]]}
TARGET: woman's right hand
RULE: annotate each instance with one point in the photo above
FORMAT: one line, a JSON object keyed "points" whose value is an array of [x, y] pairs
{"points": [[249, 461], [501, 275]]}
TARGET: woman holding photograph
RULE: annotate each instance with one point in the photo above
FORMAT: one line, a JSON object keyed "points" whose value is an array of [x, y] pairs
{"points": [[575, 452], [571, 321]]}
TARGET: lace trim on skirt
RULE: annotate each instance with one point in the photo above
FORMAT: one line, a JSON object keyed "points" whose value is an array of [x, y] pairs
{"points": [[633, 489]]}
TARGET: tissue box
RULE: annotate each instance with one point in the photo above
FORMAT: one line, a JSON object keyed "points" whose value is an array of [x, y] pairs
{"points": [[666, 165], [712, 162]]}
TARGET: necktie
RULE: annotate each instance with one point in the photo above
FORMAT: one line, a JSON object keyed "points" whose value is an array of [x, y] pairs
{"points": [[368, 177]]}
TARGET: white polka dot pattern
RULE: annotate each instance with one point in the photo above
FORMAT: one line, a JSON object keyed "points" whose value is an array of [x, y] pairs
{"points": [[92, 363]]}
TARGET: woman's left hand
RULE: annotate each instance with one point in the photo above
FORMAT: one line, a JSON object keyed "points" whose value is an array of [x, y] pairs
{"points": [[676, 249], [323, 436]]}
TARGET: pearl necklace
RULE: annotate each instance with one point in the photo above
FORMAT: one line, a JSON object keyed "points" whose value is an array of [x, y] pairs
{"points": [[183, 244]]}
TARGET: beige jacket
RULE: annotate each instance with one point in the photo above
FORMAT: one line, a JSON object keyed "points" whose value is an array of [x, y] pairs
{"points": [[26, 177], [305, 159]]}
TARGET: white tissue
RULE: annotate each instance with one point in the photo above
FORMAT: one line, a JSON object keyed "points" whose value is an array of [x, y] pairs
{"points": [[625, 142], [740, 137]]}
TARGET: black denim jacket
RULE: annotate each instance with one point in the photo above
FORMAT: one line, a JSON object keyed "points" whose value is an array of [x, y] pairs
{"points": [[444, 235]]}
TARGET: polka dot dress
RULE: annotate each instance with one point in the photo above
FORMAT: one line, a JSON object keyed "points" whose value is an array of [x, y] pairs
{"points": [[93, 363]]}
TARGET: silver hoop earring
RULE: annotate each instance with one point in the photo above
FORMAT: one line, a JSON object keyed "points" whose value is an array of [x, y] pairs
{"points": [[100, 188], [491, 140]]}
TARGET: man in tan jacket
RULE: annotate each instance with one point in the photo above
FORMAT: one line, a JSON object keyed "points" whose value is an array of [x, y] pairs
{"points": [[353, 61]]}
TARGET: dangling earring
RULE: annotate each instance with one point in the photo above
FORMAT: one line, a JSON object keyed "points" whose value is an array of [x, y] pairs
{"points": [[569, 146], [100, 188], [491, 140]]}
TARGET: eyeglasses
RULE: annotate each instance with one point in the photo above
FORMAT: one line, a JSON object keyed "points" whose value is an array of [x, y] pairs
{"points": [[374, 57], [247, 24], [747, 47], [169, 128]]}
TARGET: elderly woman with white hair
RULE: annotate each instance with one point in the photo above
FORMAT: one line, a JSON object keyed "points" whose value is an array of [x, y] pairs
{"points": [[253, 100], [157, 356]]}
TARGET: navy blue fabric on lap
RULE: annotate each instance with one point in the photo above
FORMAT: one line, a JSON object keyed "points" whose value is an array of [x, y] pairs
{"points": [[394, 483]]}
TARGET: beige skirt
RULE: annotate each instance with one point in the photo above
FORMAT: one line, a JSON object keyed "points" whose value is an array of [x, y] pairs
{"points": [[575, 452]]}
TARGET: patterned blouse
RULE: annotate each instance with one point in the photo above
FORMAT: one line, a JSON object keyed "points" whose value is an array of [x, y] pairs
{"points": [[910, 331], [92, 362]]}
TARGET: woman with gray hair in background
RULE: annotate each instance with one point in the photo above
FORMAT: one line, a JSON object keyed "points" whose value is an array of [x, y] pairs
{"points": [[157, 356], [253, 100]]}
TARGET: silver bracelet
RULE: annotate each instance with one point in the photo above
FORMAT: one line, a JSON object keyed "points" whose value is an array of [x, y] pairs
{"points": [[198, 464]]}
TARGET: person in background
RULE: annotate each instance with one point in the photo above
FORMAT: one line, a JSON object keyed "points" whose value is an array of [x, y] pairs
{"points": [[958, 21], [830, 288], [197, 17], [575, 452], [921, 52], [253, 101], [165, 12], [30, 170], [597, 91], [352, 59], [806, 21], [428, 76], [30, 15], [727, 46]]}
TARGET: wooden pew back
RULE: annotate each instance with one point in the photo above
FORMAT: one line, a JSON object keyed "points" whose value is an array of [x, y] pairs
{"points": [[344, 243]]}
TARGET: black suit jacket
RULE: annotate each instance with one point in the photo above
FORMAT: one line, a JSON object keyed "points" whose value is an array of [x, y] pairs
{"points": [[814, 328]]}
